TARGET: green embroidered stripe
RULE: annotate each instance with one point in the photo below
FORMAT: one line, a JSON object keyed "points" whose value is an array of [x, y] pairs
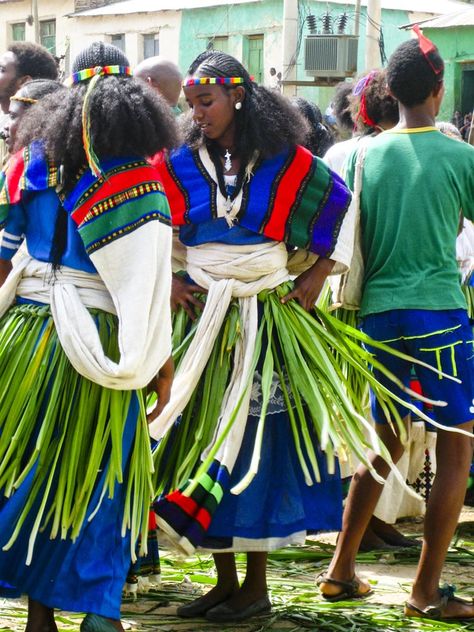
{"points": [[432, 333], [117, 218], [212, 487], [307, 207]]}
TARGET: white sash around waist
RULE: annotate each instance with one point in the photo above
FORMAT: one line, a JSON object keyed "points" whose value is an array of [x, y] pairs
{"points": [[226, 271]]}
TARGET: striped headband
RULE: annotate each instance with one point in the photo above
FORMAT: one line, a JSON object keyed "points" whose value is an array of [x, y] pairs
{"points": [[27, 100], [88, 73], [200, 81]]}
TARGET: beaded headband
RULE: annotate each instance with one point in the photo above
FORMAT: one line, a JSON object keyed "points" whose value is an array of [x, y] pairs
{"points": [[94, 74], [88, 73], [200, 81], [28, 100]]}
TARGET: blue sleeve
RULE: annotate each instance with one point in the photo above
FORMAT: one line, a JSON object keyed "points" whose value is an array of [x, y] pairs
{"points": [[13, 235]]}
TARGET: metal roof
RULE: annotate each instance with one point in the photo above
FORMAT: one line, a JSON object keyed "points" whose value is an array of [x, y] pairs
{"points": [[460, 18], [152, 6]]}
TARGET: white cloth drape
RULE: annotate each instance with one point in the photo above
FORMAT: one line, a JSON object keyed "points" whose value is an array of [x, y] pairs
{"points": [[133, 282], [226, 272]]}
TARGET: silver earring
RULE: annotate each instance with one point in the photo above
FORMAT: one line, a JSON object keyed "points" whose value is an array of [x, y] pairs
{"points": [[238, 105]]}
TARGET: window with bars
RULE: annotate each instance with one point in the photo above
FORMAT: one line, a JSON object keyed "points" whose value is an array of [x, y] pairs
{"points": [[118, 40], [151, 45], [48, 35], [18, 32], [219, 43]]}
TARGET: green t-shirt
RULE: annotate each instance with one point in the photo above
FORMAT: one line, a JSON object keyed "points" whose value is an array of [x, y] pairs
{"points": [[414, 184]]}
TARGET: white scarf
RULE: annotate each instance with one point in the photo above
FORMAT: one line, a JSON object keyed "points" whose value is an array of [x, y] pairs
{"points": [[133, 282]]}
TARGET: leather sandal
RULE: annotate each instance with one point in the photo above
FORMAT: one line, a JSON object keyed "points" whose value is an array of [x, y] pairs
{"points": [[435, 611], [349, 589]]}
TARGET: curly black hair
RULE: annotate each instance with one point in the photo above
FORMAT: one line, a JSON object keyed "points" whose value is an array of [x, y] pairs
{"points": [[319, 138], [267, 122], [33, 60], [411, 76], [381, 106], [341, 105], [36, 89], [127, 118]]}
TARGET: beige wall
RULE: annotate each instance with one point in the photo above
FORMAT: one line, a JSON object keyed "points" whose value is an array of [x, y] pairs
{"points": [[74, 33], [12, 12], [134, 26]]}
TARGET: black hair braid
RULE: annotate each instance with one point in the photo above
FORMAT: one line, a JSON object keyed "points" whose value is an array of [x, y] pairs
{"points": [[99, 54], [267, 122], [319, 138], [127, 117]]}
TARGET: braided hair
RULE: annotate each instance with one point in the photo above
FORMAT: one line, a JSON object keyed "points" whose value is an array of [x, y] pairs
{"points": [[127, 117], [319, 138], [267, 122]]}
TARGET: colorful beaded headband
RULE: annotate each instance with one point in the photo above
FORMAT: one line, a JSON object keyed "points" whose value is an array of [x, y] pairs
{"points": [[94, 74], [200, 81], [88, 73], [28, 100]]}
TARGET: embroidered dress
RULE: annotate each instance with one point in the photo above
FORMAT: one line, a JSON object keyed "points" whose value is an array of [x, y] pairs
{"points": [[236, 248], [76, 349]]}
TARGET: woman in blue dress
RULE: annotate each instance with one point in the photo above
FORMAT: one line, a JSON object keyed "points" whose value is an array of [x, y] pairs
{"points": [[244, 194], [82, 332]]}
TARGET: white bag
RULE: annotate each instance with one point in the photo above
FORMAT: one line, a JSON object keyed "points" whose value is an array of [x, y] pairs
{"points": [[346, 288]]}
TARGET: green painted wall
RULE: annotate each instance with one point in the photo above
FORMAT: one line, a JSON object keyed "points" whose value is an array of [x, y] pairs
{"points": [[266, 17], [236, 22], [456, 46]]}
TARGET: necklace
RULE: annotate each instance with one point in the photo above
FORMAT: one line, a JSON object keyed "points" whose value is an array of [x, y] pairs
{"points": [[228, 160]]}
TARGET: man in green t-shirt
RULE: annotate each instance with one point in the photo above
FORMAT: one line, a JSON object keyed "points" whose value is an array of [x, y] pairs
{"points": [[415, 183]]}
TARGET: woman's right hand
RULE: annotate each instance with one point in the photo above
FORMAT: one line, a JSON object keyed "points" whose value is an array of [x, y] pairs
{"points": [[183, 294], [161, 385]]}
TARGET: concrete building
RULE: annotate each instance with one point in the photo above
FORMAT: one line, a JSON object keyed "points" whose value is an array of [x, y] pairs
{"points": [[453, 34]]}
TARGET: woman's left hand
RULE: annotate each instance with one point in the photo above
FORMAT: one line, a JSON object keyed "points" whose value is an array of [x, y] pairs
{"points": [[161, 385], [309, 283]]}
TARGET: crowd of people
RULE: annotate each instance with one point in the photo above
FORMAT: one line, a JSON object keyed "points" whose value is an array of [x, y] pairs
{"points": [[143, 231]]}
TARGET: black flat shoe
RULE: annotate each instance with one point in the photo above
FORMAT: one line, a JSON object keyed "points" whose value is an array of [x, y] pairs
{"points": [[197, 608], [225, 613], [96, 623]]}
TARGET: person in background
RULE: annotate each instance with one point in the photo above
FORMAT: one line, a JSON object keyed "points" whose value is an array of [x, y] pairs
{"points": [[336, 155], [21, 62], [320, 139], [21, 102], [412, 298], [163, 76], [273, 82]]}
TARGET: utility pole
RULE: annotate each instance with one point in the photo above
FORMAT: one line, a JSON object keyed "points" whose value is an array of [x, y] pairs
{"points": [[357, 18], [290, 40], [34, 13], [372, 47]]}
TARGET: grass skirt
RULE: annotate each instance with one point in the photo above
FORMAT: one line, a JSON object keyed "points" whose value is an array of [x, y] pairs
{"points": [[75, 469], [306, 357]]}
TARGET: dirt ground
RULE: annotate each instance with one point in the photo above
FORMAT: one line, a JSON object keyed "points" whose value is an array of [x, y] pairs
{"points": [[296, 603]]}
